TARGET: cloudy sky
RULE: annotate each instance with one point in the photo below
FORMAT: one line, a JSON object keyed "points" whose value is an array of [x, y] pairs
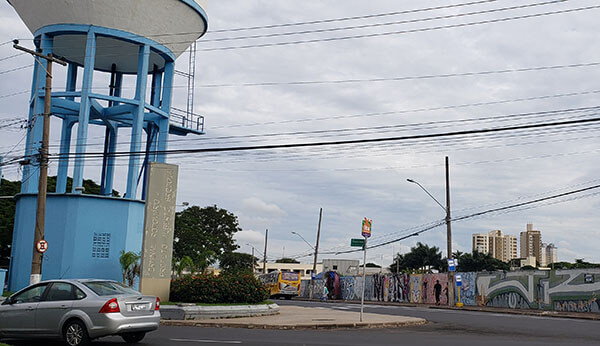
{"points": [[328, 71]]}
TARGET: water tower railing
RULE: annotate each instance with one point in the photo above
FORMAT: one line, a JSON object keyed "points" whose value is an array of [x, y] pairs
{"points": [[181, 118]]}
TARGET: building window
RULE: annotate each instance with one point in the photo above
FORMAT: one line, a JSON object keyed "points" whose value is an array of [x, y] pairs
{"points": [[334, 267]]}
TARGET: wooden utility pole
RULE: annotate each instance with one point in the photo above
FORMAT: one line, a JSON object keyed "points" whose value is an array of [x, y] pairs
{"points": [[314, 270], [40, 216], [450, 286], [265, 254]]}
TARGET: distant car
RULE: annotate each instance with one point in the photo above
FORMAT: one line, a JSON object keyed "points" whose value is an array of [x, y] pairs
{"points": [[78, 311]]}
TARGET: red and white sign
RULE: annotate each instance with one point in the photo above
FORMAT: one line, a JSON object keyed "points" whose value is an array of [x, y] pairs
{"points": [[42, 246]]}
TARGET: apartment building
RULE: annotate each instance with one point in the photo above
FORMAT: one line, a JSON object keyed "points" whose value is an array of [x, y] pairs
{"points": [[531, 244], [550, 254], [498, 245], [481, 243]]}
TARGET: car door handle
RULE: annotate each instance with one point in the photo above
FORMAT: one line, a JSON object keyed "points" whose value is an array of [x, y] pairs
{"points": [[64, 307], [30, 309]]}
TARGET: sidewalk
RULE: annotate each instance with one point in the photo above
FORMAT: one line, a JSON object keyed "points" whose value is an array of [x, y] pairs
{"points": [[543, 313], [297, 317]]}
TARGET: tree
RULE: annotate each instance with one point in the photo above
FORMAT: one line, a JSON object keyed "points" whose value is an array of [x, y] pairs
{"points": [[236, 262], [204, 234], [130, 265], [179, 265], [7, 218], [286, 260], [478, 261], [421, 258]]}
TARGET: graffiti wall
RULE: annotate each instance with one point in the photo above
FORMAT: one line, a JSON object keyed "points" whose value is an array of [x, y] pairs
{"points": [[434, 289], [561, 290], [467, 290]]}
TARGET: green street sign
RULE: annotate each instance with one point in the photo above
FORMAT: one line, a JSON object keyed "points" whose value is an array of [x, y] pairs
{"points": [[357, 242]]}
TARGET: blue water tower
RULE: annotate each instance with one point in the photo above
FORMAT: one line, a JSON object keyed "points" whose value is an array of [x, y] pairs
{"points": [[108, 45]]}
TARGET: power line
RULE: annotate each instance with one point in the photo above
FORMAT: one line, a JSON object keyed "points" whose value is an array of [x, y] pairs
{"points": [[388, 128], [375, 25], [332, 20], [513, 206], [16, 69], [376, 34], [11, 56], [341, 142], [410, 31]]}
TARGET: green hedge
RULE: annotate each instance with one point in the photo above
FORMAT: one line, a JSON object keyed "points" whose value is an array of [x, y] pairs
{"points": [[212, 289]]}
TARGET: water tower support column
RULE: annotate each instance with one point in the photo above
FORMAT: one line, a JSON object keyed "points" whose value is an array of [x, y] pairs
{"points": [[167, 95], [65, 149], [112, 139], [84, 110], [66, 132], [138, 121], [31, 172]]}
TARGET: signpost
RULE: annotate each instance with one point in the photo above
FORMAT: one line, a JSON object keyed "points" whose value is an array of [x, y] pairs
{"points": [[366, 232], [452, 264], [458, 289]]}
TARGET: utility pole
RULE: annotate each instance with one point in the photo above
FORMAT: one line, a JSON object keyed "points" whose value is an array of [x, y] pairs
{"points": [[449, 236], [265, 254], [253, 259], [40, 216], [398, 261], [314, 270]]}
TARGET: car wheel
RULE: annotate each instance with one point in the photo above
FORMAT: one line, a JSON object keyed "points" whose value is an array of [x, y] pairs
{"points": [[133, 338], [75, 334]]}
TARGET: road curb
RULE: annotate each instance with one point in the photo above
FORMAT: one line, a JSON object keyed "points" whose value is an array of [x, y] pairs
{"points": [[194, 312], [354, 325]]}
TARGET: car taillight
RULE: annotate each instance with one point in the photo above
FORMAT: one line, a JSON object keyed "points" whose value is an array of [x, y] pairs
{"points": [[157, 305], [110, 306]]}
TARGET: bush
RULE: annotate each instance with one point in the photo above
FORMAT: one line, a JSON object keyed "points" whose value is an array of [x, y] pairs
{"points": [[211, 289]]}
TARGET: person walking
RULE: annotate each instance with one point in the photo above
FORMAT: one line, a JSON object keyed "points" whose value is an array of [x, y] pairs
{"points": [[437, 289]]}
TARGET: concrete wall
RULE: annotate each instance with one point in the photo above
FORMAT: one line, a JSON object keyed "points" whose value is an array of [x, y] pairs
{"points": [[74, 224], [561, 290]]}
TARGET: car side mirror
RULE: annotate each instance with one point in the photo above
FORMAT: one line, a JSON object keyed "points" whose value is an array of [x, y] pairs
{"points": [[7, 301]]}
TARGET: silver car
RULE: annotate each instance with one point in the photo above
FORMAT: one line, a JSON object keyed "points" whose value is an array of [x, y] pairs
{"points": [[78, 311]]}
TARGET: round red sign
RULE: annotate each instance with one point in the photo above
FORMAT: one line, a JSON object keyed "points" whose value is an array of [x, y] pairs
{"points": [[42, 246]]}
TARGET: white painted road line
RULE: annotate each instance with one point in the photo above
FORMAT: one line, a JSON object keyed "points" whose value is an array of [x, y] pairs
{"points": [[208, 341]]}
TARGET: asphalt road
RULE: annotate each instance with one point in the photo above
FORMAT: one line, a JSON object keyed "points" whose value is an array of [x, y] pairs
{"points": [[447, 327]]}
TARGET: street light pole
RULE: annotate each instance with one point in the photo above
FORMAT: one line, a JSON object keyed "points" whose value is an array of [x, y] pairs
{"points": [[316, 252], [449, 236], [265, 254], [448, 220]]}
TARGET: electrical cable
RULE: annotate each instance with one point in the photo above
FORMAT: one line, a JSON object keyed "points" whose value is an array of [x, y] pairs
{"points": [[376, 25], [340, 142], [410, 31]]}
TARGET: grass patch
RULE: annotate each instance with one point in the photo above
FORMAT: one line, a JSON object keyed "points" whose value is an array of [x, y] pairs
{"points": [[266, 302], [6, 294]]}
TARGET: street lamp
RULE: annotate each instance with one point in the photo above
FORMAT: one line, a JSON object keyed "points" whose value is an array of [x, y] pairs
{"points": [[316, 252], [301, 237], [252, 256], [427, 192], [448, 228]]}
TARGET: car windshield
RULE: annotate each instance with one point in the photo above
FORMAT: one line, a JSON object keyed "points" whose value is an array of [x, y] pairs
{"points": [[109, 288]]}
